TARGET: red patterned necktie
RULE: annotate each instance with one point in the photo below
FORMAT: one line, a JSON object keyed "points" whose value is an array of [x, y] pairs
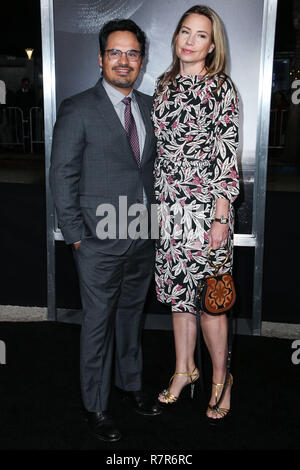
{"points": [[131, 130]]}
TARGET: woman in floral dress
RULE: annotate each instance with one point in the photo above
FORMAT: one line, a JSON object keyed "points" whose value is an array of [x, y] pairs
{"points": [[195, 116]]}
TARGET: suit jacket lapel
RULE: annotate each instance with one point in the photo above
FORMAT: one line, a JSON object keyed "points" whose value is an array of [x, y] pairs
{"points": [[111, 119], [148, 125]]}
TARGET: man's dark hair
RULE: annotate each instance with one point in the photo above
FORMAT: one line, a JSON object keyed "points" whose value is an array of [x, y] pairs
{"points": [[121, 25]]}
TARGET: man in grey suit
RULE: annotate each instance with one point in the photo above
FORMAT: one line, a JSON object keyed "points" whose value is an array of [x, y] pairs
{"points": [[103, 149]]}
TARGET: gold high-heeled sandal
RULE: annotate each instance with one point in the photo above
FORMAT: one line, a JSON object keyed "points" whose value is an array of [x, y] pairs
{"points": [[220, 412], [169, 398]]}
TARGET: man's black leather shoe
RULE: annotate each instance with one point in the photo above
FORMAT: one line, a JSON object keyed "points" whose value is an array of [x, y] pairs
{"points": [[142, 405], [102, 426]]}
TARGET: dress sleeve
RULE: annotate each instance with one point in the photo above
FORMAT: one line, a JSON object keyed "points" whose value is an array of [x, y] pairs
{"points": [[225, 174]]}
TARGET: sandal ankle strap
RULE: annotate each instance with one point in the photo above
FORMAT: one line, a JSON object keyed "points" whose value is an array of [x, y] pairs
{"points": [[186, 374], [229, 381], [218, 385]]}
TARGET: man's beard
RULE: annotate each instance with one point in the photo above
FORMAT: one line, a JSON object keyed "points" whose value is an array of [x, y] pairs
{"points": [[127, 84], [123, 84]]}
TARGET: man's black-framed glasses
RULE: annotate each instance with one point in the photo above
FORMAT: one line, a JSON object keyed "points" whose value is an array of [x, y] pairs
{"points": [[116, 54]]}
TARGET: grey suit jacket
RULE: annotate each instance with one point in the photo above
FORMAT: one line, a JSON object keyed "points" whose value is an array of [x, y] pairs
{"points": [[92, 163]]}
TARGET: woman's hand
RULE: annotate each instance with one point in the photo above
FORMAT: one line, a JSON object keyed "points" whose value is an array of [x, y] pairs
{"points": [[218, 235]]}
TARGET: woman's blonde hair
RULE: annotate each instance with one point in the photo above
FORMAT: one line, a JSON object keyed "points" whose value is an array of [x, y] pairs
{"points": [[215, 61]]}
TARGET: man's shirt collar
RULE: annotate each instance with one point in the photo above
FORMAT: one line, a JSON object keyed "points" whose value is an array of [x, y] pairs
{"points": [[115, 95]]}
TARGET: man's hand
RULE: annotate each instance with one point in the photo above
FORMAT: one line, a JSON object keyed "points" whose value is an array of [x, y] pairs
{"points": [[76, 245]]}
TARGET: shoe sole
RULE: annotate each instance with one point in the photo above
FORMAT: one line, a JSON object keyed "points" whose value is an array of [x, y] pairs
{"points": [[218, 421], [100, 438], [143, 413], [105, 439]]}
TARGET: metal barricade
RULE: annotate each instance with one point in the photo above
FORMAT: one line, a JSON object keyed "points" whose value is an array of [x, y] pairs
{"points": [[15, 130], [12, 126], [36, 126]]}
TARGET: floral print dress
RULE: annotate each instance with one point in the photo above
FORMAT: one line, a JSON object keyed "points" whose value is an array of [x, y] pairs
{"points": [[196, 125]]}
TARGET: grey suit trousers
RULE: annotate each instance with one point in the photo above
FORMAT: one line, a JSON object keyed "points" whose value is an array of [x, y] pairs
{"points": [[113, 292]]}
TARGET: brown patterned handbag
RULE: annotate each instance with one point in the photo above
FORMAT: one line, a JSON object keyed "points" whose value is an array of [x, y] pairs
{"points": [[215, 294]]}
